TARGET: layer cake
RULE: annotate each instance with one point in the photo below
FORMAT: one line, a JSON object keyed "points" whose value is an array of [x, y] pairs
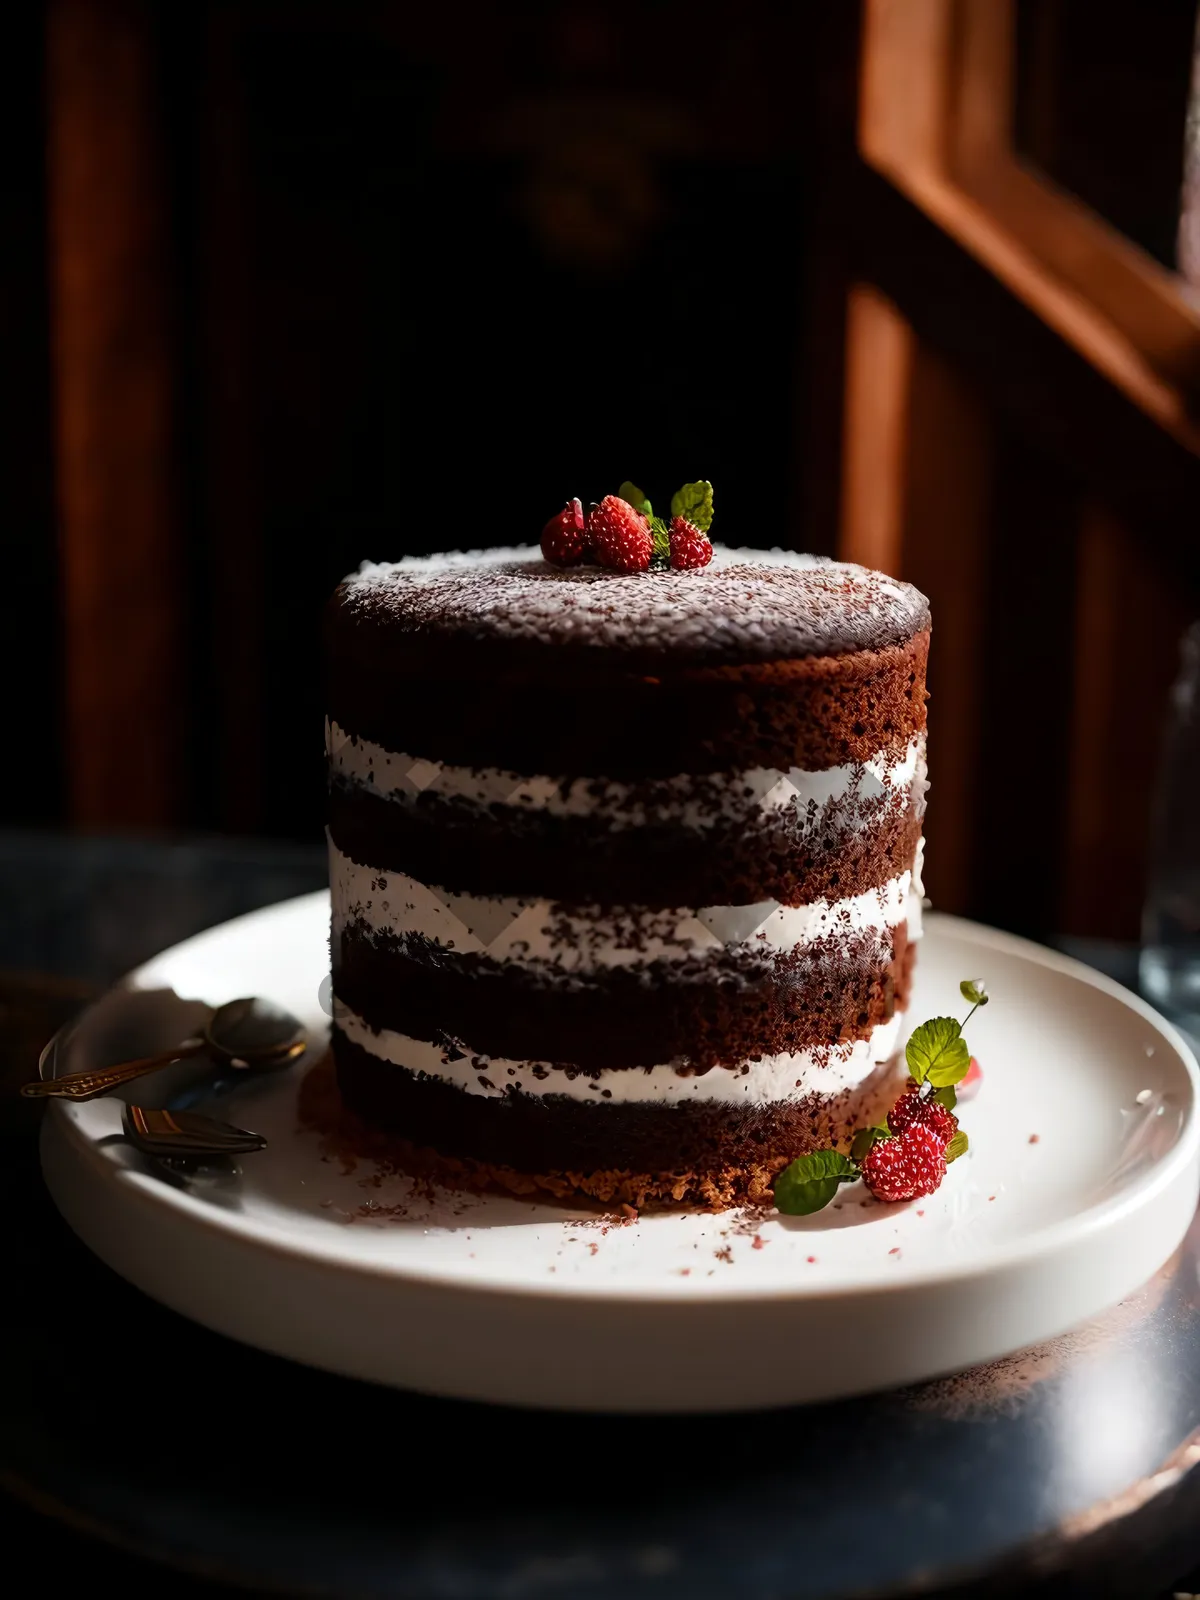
{"points": [[624, 868]]}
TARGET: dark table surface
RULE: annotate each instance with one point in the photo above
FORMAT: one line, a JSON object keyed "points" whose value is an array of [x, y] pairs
{"points": [[130, 1438]]}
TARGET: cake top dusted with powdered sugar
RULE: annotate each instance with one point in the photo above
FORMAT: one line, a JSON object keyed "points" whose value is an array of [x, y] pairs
{"points": [[745, 605]]}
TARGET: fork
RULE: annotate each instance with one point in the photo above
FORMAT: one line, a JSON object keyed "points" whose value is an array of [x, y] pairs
{"points": [[186, 1134]]}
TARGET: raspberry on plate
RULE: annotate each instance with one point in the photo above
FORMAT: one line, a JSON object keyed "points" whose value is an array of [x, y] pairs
{"points": [[619, 535], [913, 1108], [689, 547], [906, 1167]]}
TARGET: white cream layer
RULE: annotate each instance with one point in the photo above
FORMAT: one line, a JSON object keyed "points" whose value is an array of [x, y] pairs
{"points": [[509, 928], [686, 800], [827, 1071]]}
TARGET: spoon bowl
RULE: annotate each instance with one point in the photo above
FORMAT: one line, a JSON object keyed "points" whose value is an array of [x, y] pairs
{"points": [[255, 1034]]}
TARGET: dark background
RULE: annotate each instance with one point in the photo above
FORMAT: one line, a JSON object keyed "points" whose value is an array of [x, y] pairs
{"points": [[473, 262], [349, 281]]}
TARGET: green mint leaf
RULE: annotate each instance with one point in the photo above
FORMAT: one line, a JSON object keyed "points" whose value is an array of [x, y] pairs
{"points": [[938, 1052], [695, 502], [946, 1096], [957, 1147], [811, 1182], [866, 1139], [631, 493], [952, 1067], [661, 534], [974, 991]]}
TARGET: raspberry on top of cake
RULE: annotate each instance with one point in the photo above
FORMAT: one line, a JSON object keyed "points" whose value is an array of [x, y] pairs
{"points": [[624, 859]]}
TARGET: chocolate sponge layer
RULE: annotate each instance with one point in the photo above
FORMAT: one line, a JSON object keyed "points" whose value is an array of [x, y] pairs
{"points": [[596, 718], [583, 860], [698, 1013]]}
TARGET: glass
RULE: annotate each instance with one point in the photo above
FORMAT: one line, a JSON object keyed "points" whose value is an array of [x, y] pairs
{"points": [[1170, 958]]}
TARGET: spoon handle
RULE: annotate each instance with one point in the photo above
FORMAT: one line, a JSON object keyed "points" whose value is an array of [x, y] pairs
{"points": [[88, 1085]]}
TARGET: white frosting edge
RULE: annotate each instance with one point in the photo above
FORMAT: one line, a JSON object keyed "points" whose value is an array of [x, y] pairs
{"points": [[827, 1071], [508, 928], [394, 775]]}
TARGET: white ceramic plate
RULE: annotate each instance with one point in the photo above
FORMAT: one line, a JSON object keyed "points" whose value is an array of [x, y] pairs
{"points": [[1081, 1180]]}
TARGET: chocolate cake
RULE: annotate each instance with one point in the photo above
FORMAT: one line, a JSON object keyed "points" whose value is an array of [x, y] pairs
{"points": [[625, 867]]}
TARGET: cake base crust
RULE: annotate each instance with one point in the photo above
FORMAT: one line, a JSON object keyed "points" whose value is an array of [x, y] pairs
{"points": [[731, 1159]]}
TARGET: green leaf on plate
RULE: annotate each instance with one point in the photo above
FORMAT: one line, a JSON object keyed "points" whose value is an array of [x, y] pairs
{"points": [[811, 1182], [957, 1147], [937, 1052]]}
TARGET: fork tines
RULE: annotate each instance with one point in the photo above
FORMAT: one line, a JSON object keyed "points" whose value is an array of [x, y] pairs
{"points": [[179, 1133]]}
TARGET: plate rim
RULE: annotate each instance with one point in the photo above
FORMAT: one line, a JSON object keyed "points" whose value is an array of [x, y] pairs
{"points": [[1038, 1244]]}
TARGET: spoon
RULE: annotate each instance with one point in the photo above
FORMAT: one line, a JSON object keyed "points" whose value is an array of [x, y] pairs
{"points": [[257, 1034], [186, 1135]]}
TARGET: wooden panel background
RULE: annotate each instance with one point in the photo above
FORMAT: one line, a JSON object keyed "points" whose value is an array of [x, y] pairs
{"points": [[1019, 439], [984, 387], [114, 363]]}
